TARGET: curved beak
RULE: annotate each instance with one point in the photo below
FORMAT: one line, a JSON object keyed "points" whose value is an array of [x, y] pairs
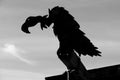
{"points": [[24, 28]]}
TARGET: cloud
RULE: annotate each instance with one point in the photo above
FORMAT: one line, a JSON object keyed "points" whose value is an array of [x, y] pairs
{"points": [[14, 51], [6, 74], [107, 43]]}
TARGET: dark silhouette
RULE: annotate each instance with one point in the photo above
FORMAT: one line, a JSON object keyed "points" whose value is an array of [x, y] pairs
{"points": [[104, 73], [32, 21], [73, 41]]}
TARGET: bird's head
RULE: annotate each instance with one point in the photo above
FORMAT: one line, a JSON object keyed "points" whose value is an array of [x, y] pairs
{"points": [[30, 22]]}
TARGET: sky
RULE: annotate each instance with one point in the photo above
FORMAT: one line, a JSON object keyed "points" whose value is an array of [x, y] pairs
{"points": [[35, 54]]}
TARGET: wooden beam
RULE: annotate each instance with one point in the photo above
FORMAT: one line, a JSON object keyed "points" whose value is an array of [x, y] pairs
{"points": [[104, 73]]}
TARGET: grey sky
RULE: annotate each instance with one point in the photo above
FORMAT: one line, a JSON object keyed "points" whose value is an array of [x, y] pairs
{"points": [[99, 19]]}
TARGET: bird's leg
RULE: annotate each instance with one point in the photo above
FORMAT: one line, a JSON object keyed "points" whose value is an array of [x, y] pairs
{"points": [[78, 70], [73, 64], [82, 71]]}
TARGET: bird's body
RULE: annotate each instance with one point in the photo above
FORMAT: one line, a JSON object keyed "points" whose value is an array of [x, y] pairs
{"points": [[71, 39], [67, 31], [70, 36]]}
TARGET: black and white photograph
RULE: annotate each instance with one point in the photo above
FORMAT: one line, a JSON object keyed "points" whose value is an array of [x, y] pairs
{"points": [[59, 39]]}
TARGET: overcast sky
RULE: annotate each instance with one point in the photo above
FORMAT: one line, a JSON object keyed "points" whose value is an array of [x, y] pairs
{"points": [[99, 19]]}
